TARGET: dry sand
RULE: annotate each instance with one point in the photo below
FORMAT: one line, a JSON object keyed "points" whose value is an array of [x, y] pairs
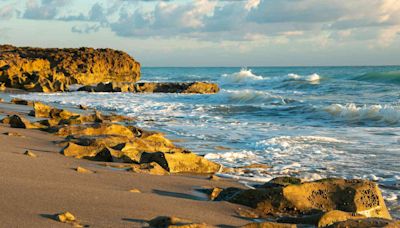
{"points": [[34, 189]]}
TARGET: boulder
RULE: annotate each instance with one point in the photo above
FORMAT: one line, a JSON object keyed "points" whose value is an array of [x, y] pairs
{"points": [[357, 196], [53, 69], [336, 216], [369, 222], [21, 102], [17, 121], [95, 129]]}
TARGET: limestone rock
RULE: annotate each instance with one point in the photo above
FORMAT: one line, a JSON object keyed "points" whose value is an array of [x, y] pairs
{"points": [[53, 69], [21, 102], [335, 216], [369, 222], [357, 196], [96, 129], [66, 217], [170, 222], [3, 86], [215, 192], [18, 121], [135, 190], [149, 168], [171, 87], [16, 134], [30, 154], [214, 178], [269, 225], [83, 170]]}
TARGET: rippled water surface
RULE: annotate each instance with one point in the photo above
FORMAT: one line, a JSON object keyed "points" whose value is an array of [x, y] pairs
{"points": [[311, 122]]}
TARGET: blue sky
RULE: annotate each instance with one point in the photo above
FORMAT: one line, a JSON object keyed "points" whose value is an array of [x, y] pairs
{"points": [[214, 33]]}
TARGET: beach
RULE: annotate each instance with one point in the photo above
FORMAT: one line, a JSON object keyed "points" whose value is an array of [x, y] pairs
{"points": [[33, 190]]}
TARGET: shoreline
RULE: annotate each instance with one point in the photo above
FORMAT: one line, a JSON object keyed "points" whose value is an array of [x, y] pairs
{"points": [[36, 188], [56, 186]]}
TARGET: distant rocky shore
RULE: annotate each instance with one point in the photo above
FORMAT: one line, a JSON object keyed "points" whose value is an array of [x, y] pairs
{"points": [[54, 69]]}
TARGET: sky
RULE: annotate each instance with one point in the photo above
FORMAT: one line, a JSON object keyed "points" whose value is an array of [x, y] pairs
{"points": [[214, 33]]}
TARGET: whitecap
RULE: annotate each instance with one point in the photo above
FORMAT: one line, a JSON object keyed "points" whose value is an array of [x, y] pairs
{"points": [[351, 112], [242, 76]]}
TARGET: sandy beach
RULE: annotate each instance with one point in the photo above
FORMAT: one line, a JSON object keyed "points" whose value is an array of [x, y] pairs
{"points": [[34, 189]]}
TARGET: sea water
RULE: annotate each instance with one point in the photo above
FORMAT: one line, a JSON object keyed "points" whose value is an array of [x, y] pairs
{"points": [[310, 122]]}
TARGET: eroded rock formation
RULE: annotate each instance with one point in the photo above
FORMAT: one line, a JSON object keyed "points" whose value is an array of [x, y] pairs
{"points": [[341, 199], [54, 69], [154, 87]]}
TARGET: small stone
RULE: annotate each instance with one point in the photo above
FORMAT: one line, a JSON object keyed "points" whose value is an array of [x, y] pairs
{"points": [[83, 107], [66, 217], [14, 134], [247, 213], [135, 190], [83, 170], [214, 178], [30, 154], [215, 193]]}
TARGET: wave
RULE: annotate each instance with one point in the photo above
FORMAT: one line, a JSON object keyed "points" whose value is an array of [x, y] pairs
{"points": [[381, 77], [380, 113], [242, 76], [312, 78], [248, 96]]}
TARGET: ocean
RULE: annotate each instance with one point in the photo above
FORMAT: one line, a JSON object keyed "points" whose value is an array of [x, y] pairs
{"points": [[310, 122]]}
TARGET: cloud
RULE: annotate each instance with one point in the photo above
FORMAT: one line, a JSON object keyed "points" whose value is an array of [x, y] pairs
{"points": [[233, 20], [43, 10]]}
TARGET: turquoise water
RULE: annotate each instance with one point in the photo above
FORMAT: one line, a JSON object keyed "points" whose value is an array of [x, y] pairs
{"points": [[310, 122]]}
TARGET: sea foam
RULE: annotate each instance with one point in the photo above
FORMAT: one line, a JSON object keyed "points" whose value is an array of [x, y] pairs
{"points": [[244, 75], [351, 112]]}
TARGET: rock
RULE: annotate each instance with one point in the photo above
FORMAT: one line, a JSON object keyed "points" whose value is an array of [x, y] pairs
{"points": [[96, 129], [369, 222], [269, 225], [336, 216], [3, 86], [157, 157], [83, 170], [165, 221], [16, 134], [41, 110], [357, 196], [149, 168], [247, 213], [21, 102], [215, 192], [135, 190], [172, 87], [30, 154], [83, 107], [281, 181], [18, 121], [53, 69], [214, 178], [69, 218], [66, 217]]}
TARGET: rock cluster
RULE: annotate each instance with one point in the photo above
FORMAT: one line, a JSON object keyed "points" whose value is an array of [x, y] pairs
{"points": [[54, 69], [154, 87], [320, 203], [104, 138]]}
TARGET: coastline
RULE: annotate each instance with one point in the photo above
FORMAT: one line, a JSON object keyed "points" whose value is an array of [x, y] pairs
{"points": [[34, 189]]}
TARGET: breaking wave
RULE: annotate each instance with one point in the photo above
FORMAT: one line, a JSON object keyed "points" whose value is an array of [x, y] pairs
{"points": [[351, 112], [242, 76], [312, 78], [248, 96]]}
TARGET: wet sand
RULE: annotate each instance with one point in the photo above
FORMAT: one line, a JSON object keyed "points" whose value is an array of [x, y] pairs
{"points": [[32, 190]]}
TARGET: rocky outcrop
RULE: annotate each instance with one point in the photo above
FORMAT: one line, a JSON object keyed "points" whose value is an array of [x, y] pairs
{"points": [[154, 87], [54, 69], [98, 137], [355, 196]]}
